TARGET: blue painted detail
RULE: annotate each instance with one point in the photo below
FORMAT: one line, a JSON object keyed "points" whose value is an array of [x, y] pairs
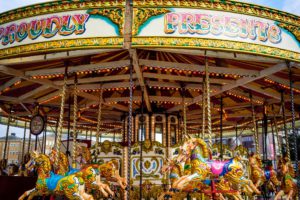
{"points": [[72, 171], [289, 33], [53, 180], [268, 174], [226, 167], [173, 175], [148, 21], [207, 182]]}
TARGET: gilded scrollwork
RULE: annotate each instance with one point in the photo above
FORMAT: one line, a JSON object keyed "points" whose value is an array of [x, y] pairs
{"points": [[57, 6], [115, 42], [116, 15], [141, 15], [295, 30], [228, 6], [226, 45]]}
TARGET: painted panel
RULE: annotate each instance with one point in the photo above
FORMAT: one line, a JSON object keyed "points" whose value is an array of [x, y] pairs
{"points": [[57, 26], [196, 23]]}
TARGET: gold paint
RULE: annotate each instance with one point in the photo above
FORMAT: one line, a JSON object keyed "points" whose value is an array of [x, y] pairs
{"points": [[62, 45], [295, 30], [214, 44], [116, 15], [141, 15], [227, 6], [54, 7]]}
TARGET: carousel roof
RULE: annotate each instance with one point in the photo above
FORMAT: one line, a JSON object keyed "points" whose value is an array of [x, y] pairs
{"points": [[169, 67], [168, 75]]}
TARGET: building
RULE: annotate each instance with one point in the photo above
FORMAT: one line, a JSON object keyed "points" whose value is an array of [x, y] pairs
{"points": [[15, 145], [14, 148]]}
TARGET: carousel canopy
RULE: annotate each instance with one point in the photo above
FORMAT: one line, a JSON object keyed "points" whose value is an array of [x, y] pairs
{"points": [[98, 41]]}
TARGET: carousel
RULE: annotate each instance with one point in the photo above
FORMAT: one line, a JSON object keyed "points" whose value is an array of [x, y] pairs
{"points": [[152, 99]]}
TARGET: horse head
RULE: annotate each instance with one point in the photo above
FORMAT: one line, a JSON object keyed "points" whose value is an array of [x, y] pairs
{"points": [[39, 161]]}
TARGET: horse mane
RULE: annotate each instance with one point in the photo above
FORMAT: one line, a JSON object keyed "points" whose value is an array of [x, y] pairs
{"points": [[179, 168], [203, 146], [291, 170], [86, 154], [258, 160], [46, 162]]}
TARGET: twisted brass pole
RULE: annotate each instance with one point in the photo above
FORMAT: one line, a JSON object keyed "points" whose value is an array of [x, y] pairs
{"points": [[203, 108], [208, 104], [74, 124], [288, 153], [99, 118], [184, 117], [61, 119], [276, 131], [254, 126]]}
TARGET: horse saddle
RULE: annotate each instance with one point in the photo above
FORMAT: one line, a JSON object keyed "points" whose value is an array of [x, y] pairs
{"points": [[217, 167]]}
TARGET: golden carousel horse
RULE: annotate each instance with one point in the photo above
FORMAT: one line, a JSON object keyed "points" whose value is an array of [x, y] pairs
{"points": [[71, 186], [259, 175], [289, 183], [108, 170], [195, 152], [89, 174], [92, 172], [221, 185]]}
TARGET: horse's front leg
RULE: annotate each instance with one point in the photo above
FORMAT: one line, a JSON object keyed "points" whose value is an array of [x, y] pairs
{"points": [[177, 182], [37, 193], [100, 186], [279, 194], [257, 184], [83, 194], [107, 189], [249, 183], [221, 196], [26, 194], [186, 179], [290, 195], [237, 196], [121, 181]]}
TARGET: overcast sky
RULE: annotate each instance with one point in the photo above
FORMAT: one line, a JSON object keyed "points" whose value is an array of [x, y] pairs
{"points": [[292, 6]]}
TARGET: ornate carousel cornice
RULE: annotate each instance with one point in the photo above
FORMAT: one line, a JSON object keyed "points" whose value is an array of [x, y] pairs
{"points": [[227, 6], [62, 45], [214, 44], [218, 5], [57, 6]]}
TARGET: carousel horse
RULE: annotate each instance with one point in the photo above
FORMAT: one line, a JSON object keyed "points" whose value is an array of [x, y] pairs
{"points": [[176, 171], [289, 183], [72, 186], [108, 170], [196, 151], [90, 175], [259, 176]]}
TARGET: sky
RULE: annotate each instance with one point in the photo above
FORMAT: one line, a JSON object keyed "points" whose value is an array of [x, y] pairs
{"points": [[292, 6]]}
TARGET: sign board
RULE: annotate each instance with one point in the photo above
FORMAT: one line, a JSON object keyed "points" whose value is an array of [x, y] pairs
{"points": [[56, 26]]}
